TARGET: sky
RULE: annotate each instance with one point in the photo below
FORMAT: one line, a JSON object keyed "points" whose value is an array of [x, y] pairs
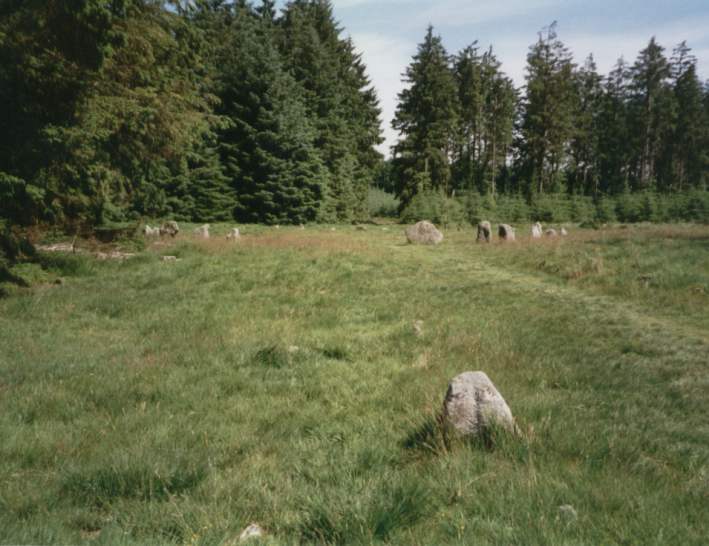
{"points": [[387, 33]]}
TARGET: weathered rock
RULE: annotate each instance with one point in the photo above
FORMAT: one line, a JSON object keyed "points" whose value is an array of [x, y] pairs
{"points": [[473, 403], [170, 228], [551, 232], [418, 328], [568, 513], [423, 233], [484, 232], [202, 231], [506, 232], [151, 231], [169, 258], [563, 232], [537, 231], [254, 530], [234, 234]]}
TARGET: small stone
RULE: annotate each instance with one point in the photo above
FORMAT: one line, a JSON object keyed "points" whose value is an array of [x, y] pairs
{"points": [[537, 231], [506, 232], [563, 232], [170, 228], [418, 328], [551, 232], [423, 233], [292, 349], [169, 258], [202, 231], [234, 234], [568, 513], [252, 531], [484, 232]]}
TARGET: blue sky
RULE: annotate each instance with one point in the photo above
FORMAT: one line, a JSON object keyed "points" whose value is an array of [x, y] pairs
{"points": [[388, 31]]}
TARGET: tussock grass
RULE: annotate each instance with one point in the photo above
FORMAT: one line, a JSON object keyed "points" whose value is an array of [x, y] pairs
{"points": [[280, 380]]}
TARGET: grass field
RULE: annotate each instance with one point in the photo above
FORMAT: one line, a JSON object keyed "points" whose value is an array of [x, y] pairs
{"points": [[280, 381]]}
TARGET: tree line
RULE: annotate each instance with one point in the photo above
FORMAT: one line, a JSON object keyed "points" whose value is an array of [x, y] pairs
{"points": [[465, 128], [205, 110]]}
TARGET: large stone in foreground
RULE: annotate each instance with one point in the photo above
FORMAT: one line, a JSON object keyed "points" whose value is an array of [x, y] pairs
{"points": [[423, 233], [473, 403]]}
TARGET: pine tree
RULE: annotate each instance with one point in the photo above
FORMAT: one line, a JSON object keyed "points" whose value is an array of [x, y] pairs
{"points": [[339, 99], [614, 148], [487, 101], [269, 146], [689, 156], [584, 174], [547, 120], [651, 112], [426, 119]]}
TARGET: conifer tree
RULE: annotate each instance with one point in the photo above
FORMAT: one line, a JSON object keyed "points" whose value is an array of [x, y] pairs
{"points": [[614, 132], [651, 113], [426, 119], [688, 150], [584, 174], [269, 147], [547, 116]]}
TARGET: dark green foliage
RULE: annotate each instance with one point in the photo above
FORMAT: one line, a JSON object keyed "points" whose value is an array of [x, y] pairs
{"points": [[134, 108], [426, 120], [435, 207], [268, 146]]}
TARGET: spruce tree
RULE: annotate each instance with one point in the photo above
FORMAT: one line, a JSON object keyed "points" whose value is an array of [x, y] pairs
{"points": [[689, 156], [547, 117], [426, 119], [269, 146], [651, 113], [614, 149], [584, 173]]}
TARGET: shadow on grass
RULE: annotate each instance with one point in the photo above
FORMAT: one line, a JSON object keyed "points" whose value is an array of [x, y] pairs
{"points": [[433, 437]]}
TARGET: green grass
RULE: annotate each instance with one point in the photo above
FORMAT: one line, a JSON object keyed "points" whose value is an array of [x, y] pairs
{"points": [[280, 381]]}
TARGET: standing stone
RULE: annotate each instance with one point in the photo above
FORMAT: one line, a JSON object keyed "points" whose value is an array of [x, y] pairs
{"points": [[423, 233], [202, 231], [151, 231], [234, 234], [473, 403], [551, 232], [563, 232], [506, 232], [252, 531], [418, 328], [484, 232], [170, 228], [537, 231]]}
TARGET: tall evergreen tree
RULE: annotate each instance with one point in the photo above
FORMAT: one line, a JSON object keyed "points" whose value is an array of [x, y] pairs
{"points": [[547, 117], [269, 146], [487, 100], [614, 132], [340, 100], [426, 119], [688, 145], [584, 173], [651, 112]]}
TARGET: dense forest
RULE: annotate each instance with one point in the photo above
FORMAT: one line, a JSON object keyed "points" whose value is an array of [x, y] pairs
{"points": [[209, 110], [205, 111], [572, 144]]}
